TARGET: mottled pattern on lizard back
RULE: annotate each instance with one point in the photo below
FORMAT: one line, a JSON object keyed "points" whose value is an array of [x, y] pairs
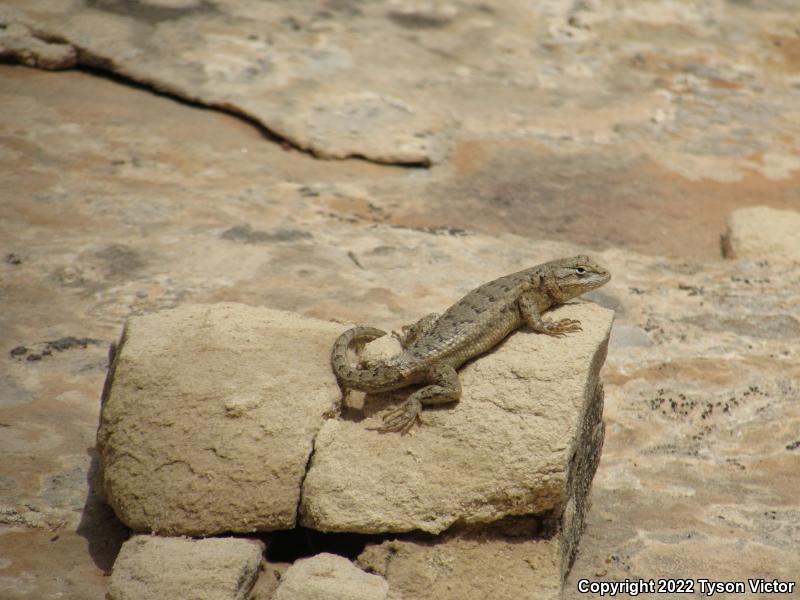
{"points": [[482, 319]]}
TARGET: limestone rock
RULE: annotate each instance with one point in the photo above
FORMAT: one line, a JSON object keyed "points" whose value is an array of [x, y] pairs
{"points": [[209, 417], [762, 233], [151, 568], [509, 447], [329, 577], [480, 565]]}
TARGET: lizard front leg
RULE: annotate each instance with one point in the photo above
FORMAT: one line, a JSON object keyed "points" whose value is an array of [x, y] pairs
{"points": [[444, 387], [410, 333], [533, 318]]}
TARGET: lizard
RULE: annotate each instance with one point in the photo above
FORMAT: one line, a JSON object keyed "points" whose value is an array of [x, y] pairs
{"points": [[435, 346]]}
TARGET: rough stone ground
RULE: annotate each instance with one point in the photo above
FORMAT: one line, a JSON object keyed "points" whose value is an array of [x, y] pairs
{"points": [[114, 200]]}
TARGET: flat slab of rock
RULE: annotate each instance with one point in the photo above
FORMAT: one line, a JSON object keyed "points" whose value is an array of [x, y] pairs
{"points": [[153, 568], [329, 577], [524, 439], [209, 417], [762, 233], [327, 102]]}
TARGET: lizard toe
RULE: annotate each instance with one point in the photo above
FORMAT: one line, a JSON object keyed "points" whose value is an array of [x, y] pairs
{"points": [[402, 418], [408, 425]]}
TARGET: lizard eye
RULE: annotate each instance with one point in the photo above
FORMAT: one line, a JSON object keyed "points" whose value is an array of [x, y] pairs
{"points": [[580, 271]]}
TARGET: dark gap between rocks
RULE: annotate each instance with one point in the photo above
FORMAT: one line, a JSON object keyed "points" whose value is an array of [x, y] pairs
{"points": [[301, 542], [309, 460], [101, 67]]}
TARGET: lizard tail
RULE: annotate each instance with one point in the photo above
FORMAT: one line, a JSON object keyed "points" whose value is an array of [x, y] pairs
{"points": [[349, 375]]}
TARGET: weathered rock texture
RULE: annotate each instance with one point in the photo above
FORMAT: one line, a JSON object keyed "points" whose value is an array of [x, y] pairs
{"points": [[155, 568], [702, 418], [499, 562], [291, 71], [329, 577], [508, 447], [210, 417], [762, 233], [344, 78]]}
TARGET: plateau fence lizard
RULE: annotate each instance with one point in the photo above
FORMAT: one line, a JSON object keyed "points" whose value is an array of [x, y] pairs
{"points": [[435, 346]]}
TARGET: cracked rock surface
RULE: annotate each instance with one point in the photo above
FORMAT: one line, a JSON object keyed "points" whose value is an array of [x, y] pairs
{"points": [[405, 82]]}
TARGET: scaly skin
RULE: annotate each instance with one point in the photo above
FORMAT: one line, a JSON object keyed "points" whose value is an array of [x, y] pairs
{"points": [[435, 346]]}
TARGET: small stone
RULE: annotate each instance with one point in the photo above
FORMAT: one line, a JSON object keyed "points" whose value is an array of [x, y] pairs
{"points": [[329, 577], [762, 233], [155, 568]]}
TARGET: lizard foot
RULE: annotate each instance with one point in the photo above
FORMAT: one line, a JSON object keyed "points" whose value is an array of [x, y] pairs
{"points": [[562, 327], [402, 418]]}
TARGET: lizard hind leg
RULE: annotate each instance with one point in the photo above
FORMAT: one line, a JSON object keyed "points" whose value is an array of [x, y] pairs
{"points": [[444, 387]]}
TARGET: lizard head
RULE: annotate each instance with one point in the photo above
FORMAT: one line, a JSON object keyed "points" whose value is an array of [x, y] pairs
{"points": [[577, 275]]}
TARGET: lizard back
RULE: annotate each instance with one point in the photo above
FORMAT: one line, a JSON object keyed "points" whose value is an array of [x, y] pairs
{"points": [[472, 326]]}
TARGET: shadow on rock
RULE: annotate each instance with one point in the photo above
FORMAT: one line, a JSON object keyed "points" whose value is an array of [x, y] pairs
{"points": [[104, 532]]}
